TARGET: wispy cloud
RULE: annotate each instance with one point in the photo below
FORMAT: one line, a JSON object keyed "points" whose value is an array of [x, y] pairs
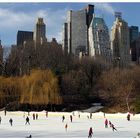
{"points": [[11, 21], [105, 7], [10, 18]]}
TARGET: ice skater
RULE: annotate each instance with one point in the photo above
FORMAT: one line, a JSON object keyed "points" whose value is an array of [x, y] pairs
{"points": [[90, 115], [79, 115], [0, 119], [71, 118], [66, 126], [46, 114], [138, 135], [106, 123], [110, 124], [128, 117], [33, 116], [27, 120], [113, 127], [63, 118], [90, 133], [5, 111], [36, 116], [30, 136], [11, 121]]}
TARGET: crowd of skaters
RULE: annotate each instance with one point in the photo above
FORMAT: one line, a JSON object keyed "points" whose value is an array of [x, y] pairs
{"points": [[107, 122]]}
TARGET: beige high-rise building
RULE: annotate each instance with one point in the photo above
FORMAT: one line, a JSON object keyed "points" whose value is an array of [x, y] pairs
{"points": [[40, 32], [120, 42]]}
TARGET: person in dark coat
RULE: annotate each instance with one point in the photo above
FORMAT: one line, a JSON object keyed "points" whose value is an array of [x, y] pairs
{"points": [[63, 118], [5, 112], [71, 118], [113, 127], [110, 124], [11, 121], [0, 119], [30, 136], [90, 115], [79, 115], [33, 116], [27, 120], [128, 117], [36, 116], [90, 133]]}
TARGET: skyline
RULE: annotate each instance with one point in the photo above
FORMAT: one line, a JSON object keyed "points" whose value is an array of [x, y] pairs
{"points": [[14, 17]]}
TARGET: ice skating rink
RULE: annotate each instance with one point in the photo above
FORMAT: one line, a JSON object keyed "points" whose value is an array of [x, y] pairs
{"points": [[53, 127]]}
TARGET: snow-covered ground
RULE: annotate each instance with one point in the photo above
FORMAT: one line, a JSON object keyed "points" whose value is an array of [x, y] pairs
{"points": [[53, 127]]}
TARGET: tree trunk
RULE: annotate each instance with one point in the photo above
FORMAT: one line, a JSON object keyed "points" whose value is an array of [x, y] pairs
{"points": [[127, 103]]}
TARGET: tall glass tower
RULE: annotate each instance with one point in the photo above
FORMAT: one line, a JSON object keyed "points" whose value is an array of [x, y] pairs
{"points": [[99, 42]]}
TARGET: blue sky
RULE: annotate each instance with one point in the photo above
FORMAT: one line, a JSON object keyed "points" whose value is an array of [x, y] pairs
{"points": [[22, 16]]}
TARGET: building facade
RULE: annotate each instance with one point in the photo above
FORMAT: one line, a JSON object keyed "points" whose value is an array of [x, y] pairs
{"points": [[134, 35], [23, 36], [40, 32], [135, 51], [120, 42], [1, 53], [99, 40], [75, 38], [65, 38]]}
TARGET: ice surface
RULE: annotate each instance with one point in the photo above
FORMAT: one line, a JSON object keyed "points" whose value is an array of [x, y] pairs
{"points": [[53, 127]]}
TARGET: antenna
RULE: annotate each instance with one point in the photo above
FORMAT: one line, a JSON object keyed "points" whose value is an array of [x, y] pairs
{"points": [[118, 15]]}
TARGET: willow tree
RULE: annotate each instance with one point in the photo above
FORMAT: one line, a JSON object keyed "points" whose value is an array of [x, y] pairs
{"points": [[41, 87]]}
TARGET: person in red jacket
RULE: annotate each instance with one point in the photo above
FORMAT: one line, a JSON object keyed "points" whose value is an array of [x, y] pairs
{"points": [[106, 123], [66, 126], [90, 133]]}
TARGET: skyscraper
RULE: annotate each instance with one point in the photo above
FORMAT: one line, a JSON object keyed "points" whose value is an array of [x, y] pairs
{"points": [[120, 42], [99, 42], [65, 38], [134, 35], [24, 36], [40, 32], [135, 51], [1, 53], [75, 38]]}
